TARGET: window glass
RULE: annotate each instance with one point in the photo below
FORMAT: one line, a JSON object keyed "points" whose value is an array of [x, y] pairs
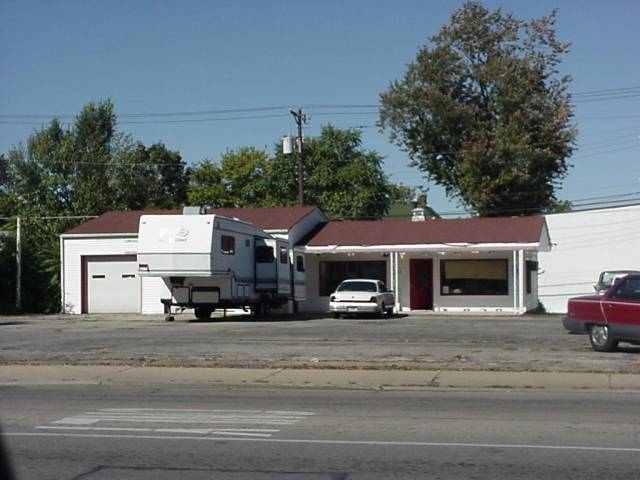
{"points": [[474, 277], [629, 289], [264, 254], [300, 263], [357, 287], [228, 244], [283, 254], [331, 274]]}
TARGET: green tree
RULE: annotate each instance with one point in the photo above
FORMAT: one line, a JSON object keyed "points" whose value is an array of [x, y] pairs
{"points": [[205, 187], [402, 200], [560, 206], [144, 177], [86, 169], [341, 178], [484, 112]]}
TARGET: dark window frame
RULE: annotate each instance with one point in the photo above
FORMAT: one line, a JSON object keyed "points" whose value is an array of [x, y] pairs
{"points": [[228, 249], [283, 255], [498, 292], [531, 266], [616, 295], [300, 263], [333, 272]]}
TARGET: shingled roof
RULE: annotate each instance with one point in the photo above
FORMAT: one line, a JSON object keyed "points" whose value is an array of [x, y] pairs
{"points": [[276, 218], [432, 231]]}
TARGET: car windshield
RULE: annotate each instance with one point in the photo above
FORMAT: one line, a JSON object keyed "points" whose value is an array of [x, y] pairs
{"points": [[357, 287]]}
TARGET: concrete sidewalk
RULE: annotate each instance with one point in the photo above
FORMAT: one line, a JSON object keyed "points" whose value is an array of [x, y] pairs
{"points": [[16, 375]]}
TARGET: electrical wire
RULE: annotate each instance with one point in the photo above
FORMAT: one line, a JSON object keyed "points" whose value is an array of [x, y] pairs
{"points": [[585, 96]]}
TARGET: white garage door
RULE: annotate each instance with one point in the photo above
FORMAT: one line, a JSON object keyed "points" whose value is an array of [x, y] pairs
{"points": [[113, 285]]}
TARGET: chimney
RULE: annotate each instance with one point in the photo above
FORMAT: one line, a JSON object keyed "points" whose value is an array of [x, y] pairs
{"points": [[419, 205]]}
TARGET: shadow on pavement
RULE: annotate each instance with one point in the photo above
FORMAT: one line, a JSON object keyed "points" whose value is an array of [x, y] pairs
{"points": [[251, 319]]}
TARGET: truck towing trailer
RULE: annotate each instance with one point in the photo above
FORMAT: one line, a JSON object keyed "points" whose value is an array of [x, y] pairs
{"points": [[211, 261]]}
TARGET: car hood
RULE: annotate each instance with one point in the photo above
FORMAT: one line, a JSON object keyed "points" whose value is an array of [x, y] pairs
{"points": [[586, 298]]}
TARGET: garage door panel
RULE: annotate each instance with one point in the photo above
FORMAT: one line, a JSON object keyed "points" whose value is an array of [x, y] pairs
{"points": [[113, 285]]}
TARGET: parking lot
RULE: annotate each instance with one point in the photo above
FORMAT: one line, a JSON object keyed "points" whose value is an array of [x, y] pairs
{"points": [[528, 343]]}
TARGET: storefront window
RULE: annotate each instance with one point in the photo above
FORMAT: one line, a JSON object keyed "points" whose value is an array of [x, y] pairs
{"points": [[474, 277]]}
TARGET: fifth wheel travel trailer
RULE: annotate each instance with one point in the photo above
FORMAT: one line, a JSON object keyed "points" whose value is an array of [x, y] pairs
{"points": [[211, 261]]}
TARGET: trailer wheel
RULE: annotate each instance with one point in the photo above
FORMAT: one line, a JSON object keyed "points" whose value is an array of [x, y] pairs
{"points": [[202, 313]]}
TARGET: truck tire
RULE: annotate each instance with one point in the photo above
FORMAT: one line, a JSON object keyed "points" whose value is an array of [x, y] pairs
{"points": [[601, 339], [202, 313]]}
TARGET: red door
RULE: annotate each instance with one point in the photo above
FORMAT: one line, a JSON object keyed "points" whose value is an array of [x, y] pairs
{"points": [[421, 280]]}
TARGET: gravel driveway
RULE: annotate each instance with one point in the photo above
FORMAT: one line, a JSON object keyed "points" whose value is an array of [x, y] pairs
{"points": [[528, 343]]}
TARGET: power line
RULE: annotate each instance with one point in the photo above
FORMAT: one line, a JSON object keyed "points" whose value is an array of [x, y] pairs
{"points": [[585, 96], [606, 91]]}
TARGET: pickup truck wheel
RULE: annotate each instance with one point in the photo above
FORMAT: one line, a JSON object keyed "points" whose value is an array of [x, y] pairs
{"points": [[601, 340]]}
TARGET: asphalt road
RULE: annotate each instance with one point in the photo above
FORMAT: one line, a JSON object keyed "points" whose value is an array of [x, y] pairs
{"points": [[93, 432], [529, 343]]}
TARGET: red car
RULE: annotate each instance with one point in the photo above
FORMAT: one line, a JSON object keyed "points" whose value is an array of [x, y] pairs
{"points": [[610, 318]]}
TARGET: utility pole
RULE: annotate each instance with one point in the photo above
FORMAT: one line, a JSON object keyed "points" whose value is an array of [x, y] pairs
{"points": [[18, 267], [300, 118]]}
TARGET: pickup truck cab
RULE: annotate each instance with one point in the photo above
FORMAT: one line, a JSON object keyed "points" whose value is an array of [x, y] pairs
{"points": [[609, 318], [361, 296], [608, 277]]}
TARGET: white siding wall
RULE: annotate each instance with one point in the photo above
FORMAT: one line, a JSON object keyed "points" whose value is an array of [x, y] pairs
{"points": [[443, 303], [153, 289], [480, 303], [73, 250], [583, 245]]}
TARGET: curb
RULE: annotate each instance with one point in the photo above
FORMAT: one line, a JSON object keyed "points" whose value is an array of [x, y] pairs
{"points": [[31, 375]]}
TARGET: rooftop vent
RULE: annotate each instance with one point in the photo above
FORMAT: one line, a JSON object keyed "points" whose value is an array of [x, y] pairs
{"points": [[186, 210]]}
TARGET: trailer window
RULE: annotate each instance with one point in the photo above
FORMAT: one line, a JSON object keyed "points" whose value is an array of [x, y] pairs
{"points": [[228, 244], [264, 254], [283, 255], [300, 263]]}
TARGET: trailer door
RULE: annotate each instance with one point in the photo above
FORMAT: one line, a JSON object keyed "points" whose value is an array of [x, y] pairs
{"points": [[299, 276], [284, 270], [266, 266]]}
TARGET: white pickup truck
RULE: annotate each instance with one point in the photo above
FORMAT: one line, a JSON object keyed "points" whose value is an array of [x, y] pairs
{"points": [[361, 296]]}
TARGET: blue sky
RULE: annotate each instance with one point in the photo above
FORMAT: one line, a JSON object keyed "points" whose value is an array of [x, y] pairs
{"points": [[168, 56]]}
